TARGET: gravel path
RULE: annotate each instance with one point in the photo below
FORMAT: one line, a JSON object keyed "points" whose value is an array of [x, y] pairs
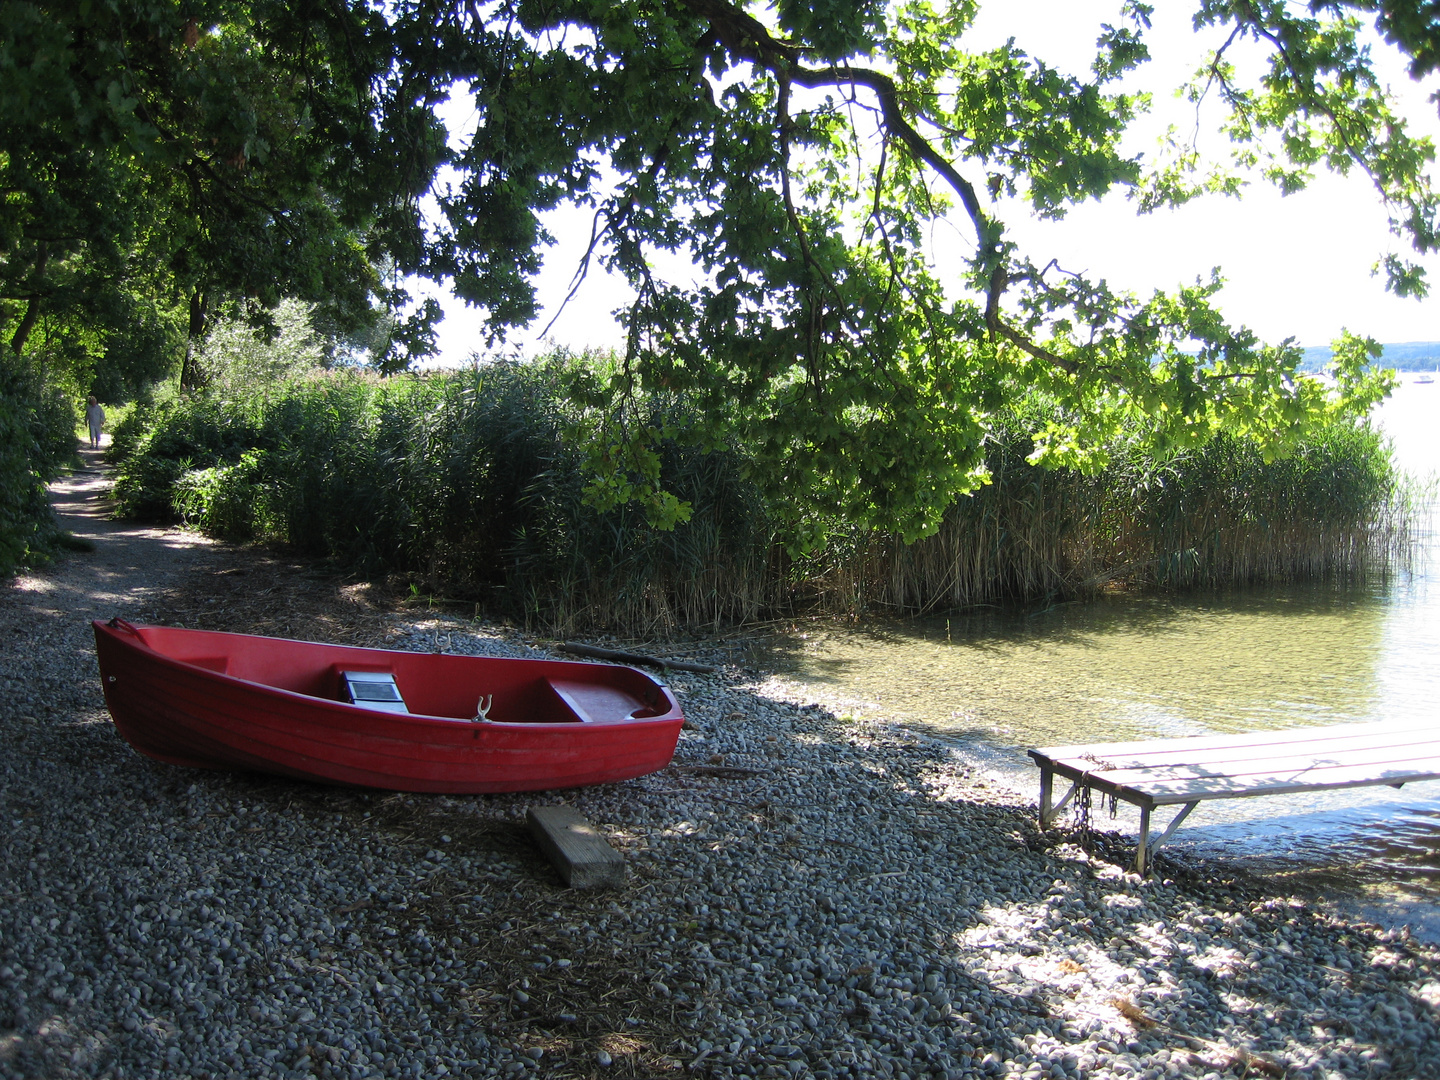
{"points": [[858, 905]]}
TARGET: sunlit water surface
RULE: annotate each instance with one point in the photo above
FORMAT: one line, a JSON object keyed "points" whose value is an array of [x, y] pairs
{"points": [[999, 682]]}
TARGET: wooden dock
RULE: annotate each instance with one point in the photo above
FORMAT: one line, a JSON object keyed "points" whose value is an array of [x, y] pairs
{"points": [[1187, 772]]}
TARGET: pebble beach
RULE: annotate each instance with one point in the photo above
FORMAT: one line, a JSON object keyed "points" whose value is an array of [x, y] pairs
{"points": [[810, 893]]}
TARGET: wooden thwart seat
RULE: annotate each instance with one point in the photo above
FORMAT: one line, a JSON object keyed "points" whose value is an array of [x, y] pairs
{"points": [[1186, 772]]}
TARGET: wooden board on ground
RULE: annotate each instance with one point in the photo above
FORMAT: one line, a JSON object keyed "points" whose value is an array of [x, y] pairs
{"points": [[1186, 772], [584, 858]]}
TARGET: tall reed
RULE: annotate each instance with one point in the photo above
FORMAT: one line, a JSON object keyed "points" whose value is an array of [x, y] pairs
{"points": [[469, 481], [1213, 517]]}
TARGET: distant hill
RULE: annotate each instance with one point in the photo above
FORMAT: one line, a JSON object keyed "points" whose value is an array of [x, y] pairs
{"points": [[1406, 356]]}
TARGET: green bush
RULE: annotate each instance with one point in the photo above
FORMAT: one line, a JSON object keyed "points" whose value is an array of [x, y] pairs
{"points": [[158, 443], [224, 500], [37, 439]]}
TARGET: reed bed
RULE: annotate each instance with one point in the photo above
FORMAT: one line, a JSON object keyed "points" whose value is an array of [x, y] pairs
{"points": [[1211, 518], [471, 485]]}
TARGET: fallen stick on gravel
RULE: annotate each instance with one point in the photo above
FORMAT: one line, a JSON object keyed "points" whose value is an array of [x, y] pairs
{"points": [[633, 658], [723, 772], [1230, 1055]]}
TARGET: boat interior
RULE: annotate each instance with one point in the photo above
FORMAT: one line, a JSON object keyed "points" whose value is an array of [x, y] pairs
{"points": [[437, 685]]}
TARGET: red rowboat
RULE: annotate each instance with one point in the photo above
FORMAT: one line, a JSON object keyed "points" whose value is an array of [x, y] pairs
{"points": [[379, 718]]}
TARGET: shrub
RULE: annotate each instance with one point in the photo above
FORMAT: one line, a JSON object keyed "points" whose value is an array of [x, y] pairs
{"points": [[37, 439], [235, 357]]}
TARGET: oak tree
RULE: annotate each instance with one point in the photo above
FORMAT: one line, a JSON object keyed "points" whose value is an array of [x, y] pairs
{"points": [[796, 154]]}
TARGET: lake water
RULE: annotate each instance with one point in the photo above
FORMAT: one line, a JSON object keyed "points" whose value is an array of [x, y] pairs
{"points": [[997, 682]]}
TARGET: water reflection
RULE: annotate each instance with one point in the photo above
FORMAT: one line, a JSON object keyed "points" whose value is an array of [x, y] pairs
{"points": [[1117, 668]]}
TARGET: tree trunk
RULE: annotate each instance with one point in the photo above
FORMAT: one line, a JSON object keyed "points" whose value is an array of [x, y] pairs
{"points": [[32, 309], [190, 377]]}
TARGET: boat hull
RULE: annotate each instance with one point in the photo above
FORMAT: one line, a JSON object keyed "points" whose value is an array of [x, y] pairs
{"points": [[233, 701]]}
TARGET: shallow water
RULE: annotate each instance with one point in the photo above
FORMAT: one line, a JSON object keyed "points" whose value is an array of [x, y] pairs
{"points": [[998, 682]]}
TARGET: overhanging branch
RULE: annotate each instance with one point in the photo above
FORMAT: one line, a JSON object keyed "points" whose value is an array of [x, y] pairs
{"points": [[748, 39]]}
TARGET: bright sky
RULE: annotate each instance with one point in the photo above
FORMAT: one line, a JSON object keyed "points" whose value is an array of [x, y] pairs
{"points": [[1296, 267]]}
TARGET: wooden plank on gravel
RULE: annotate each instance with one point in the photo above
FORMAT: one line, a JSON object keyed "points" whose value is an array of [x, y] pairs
{"points": [[584, 858], [632, 658]]}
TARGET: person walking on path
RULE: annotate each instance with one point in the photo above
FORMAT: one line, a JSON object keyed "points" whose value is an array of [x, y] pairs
{"points": [[95, 417]]}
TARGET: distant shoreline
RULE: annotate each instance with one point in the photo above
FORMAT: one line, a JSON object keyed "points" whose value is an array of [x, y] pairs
{"points": [[1414, 356]]}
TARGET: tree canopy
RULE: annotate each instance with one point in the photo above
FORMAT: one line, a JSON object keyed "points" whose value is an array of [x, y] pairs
{"points": [[156, 154]]}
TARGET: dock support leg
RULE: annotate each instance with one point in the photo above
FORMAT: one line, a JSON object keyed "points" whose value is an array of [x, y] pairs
{"points": [[1049, 808], [1141, 848], [1146, 848]]}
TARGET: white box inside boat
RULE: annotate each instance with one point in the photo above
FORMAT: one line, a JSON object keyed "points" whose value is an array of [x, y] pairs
{"points": [[372, 690]]}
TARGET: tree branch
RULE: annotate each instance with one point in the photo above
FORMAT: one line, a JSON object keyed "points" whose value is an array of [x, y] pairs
{"points": [[1247, 14], [748, 39]]}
